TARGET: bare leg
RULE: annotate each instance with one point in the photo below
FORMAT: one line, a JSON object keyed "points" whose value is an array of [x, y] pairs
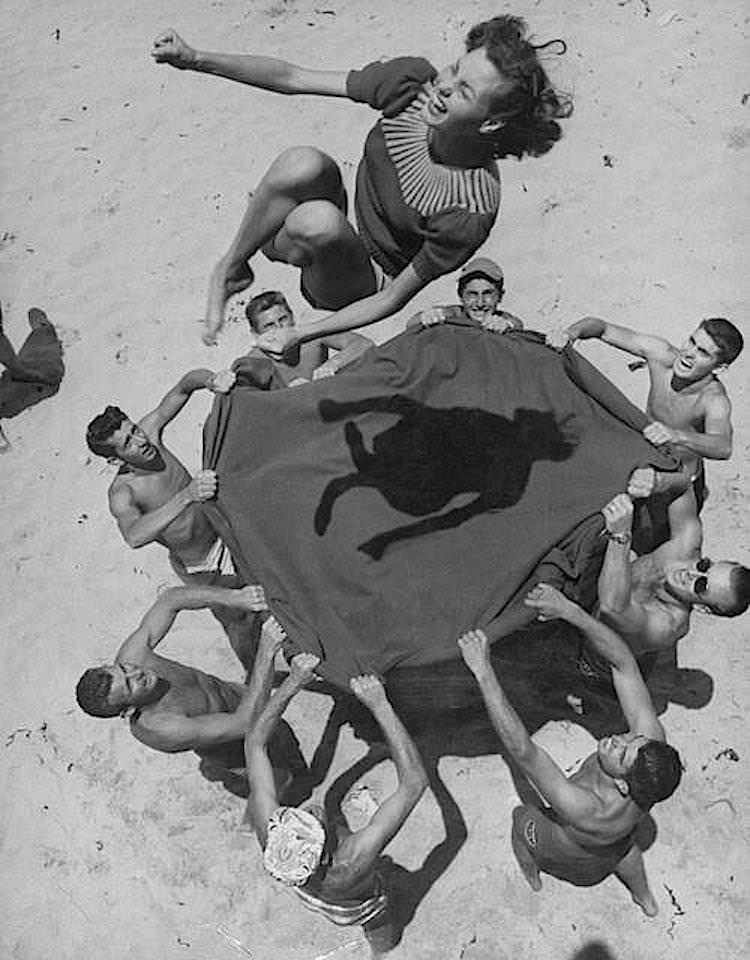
{"points": [[632, 872], [296, 176]]}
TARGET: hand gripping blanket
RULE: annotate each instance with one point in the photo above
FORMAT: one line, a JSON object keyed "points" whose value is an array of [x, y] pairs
{"points": [[413, 496]]}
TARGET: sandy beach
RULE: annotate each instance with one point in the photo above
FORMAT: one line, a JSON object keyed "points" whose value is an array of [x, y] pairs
{"points": [[122, 182]]}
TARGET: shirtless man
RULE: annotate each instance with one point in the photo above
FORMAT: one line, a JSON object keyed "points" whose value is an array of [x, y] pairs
{"points": [[648, 600], [173, 707], [332, 869], [688, 405], [481, 286], [587, 831], [308, 361], [153, 498]]}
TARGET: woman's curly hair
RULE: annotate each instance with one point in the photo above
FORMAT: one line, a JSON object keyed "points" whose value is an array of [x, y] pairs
{"points": [[530, 111]]}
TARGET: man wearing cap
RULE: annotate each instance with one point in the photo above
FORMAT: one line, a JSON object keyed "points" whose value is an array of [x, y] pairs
{"points": [[332, 869], [481, 286]]}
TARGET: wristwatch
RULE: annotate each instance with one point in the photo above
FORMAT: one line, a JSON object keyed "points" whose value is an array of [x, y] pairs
{"points": [[622, 538]]}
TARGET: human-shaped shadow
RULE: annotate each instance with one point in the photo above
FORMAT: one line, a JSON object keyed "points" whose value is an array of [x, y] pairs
{"points": [[432, 455]]}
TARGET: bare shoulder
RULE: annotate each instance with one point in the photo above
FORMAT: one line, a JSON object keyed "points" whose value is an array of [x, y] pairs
{"points": [[715, 395], [121, 493], [157, 720], [159, 729]]}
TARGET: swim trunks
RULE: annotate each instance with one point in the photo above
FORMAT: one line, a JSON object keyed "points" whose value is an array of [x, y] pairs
{"points": [[555, 852]]}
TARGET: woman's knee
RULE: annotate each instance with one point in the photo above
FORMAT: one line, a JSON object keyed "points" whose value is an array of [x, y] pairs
{"points": [[305, 168], [316, 224]]}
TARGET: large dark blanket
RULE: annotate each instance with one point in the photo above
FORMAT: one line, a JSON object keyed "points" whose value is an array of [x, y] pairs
{"points": [[422, 491]]}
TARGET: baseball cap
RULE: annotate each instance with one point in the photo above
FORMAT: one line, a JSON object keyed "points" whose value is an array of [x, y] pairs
{"points": [[484, 267]]}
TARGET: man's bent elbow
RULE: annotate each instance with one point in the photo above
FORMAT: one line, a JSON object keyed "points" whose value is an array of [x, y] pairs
{"points": [[135, 542]]}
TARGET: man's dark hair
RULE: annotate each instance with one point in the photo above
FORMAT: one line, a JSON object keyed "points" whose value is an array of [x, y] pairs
{"points": [[264, 301], [655, 775], [92, 692], [467, 278], [101, 428], [531, 110], [726, 337], [739, 581]]}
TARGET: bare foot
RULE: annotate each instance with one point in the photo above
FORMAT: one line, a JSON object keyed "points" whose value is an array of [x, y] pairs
{"points": [[226, 280], [647, 903], [526, 862], [302, 667], [38, 318], [368, 689]]}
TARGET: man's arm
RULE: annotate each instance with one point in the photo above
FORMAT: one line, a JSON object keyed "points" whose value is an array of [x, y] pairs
{"points": [[350, 347], [370, 309], [263, 799], [158, 620], [615, 583], [173, 401], [646, 482], [639, 344], [572, 802], [632, 692], [139, 528], [714, 442], [265, 73], [685, 530], [361, 849]]}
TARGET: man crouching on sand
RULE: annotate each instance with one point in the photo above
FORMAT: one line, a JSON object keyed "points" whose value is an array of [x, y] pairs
{"points": [[587, 831], [332, 870]]}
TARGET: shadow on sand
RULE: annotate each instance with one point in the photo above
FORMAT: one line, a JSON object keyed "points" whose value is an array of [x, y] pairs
{"points": [[538, 675]]}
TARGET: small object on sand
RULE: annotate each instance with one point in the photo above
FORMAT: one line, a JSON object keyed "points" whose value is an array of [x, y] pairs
{"points": [[234, 941], [669, 16]]}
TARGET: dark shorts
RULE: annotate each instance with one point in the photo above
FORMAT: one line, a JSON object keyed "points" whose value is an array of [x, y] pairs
{"points": [[598, 674], [555, 852]]}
